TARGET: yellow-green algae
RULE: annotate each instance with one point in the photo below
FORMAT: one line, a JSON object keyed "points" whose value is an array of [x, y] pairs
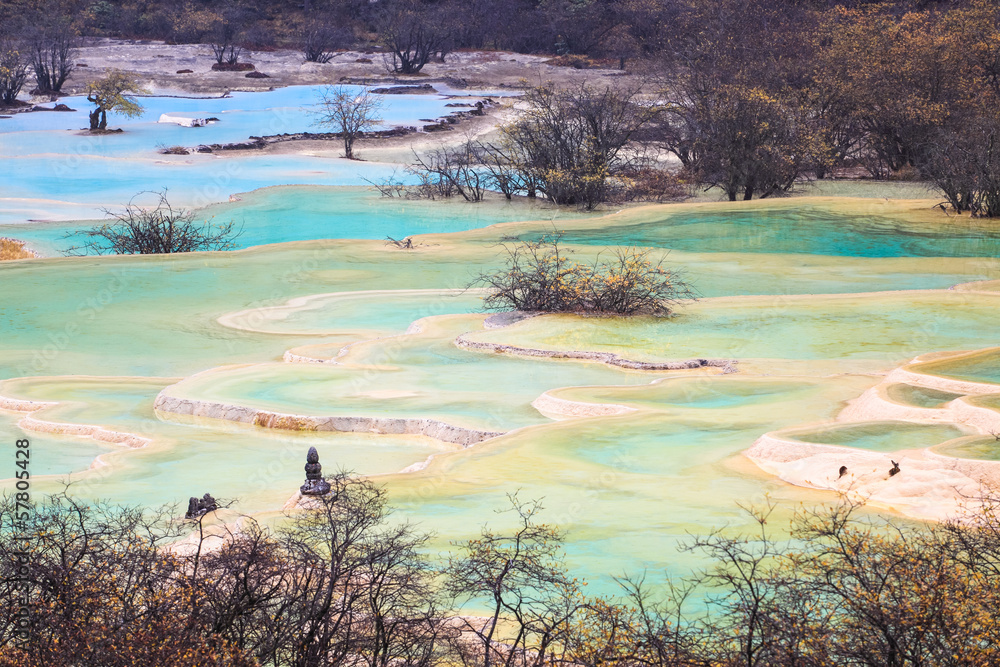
{"points": [[626, 487], [978, 366], [891, 327]]}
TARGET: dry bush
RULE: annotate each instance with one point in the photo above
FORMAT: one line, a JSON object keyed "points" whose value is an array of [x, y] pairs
{"points": [[653, 185], [160, 229], [14, 249], [539, 276], [579, 62]]}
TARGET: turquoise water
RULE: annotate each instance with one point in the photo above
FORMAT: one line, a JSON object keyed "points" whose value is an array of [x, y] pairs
{"points": [[983, 448], [983, 367], [406, 377], [55, 171], [627, 488], [800, 230], [890, 327], [241, 115], [351, 311], [301, 213], [923, 397], [885, 436]]}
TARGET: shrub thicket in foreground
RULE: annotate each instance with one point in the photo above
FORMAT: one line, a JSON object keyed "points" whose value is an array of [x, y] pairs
{"points": [[344, 585]]}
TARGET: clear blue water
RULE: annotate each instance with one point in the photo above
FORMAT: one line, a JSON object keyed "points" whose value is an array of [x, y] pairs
{"points": [[241, 115], [51, 170]]}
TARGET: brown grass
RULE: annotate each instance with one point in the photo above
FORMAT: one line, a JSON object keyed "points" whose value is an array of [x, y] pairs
{"points": [[14, 249]]}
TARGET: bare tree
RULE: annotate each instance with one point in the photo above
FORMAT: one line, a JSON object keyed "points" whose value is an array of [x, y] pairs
{"points": [[52, 52], [540, 276], [227, 33], [362, 586], [521, 576], [412, 36], [457, 169], [500, 162], [571, 143], [160, 229], [963, 160], [322, 40], [349, 112]]}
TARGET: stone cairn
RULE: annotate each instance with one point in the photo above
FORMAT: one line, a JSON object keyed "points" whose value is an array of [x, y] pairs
{"points": [[315, 484], [201, 506]]}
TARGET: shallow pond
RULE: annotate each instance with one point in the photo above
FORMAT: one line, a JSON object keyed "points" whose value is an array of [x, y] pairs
{"points": [[628, 462]]}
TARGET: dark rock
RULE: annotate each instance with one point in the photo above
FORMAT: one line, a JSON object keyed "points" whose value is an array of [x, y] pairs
{"points": [[198, 507], [458, 104], [315, 484], [843, 471], [235, 67], [185, 71], [204, 149], [894, 470], [58, 107], [438, 127], [81, 64], [366, 61], [258, 75], [405, 90]]}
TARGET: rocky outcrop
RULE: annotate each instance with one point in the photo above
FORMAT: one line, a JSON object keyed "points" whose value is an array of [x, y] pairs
{"points": [[431, 428], [84, 430], [562, 408], [727, 365]]}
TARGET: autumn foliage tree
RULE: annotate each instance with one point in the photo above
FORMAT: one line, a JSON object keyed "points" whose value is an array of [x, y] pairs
{"points": [[13, 73], [115, 92]]}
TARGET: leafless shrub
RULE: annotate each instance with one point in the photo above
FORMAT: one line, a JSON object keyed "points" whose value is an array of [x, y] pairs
{"points": [[450, 171], [540, 276], [141, 230]]}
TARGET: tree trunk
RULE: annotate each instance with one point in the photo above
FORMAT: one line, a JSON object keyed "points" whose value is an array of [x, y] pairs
{"points": [[104, 120], [95, 117]]}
